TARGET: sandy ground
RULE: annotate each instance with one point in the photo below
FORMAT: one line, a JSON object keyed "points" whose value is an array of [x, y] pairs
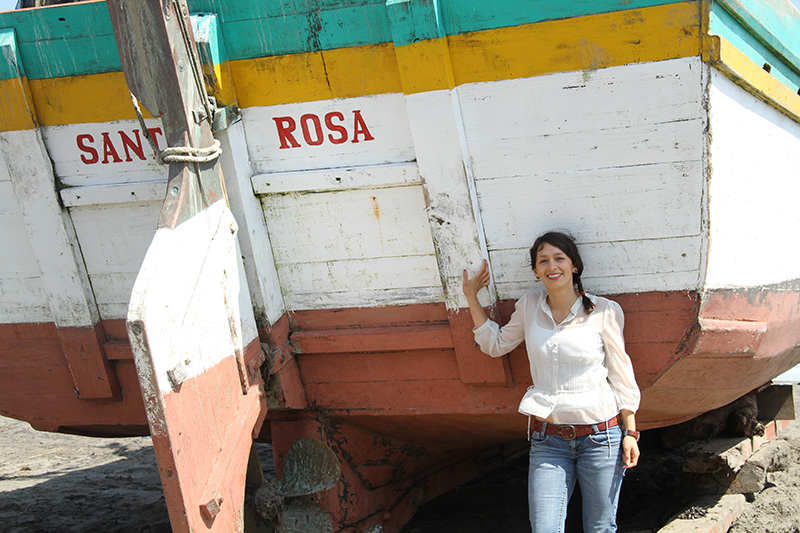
{"points": [[51, 482]]}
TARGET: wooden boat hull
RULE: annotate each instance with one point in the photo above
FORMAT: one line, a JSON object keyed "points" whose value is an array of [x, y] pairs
{"points": [[382, 148]]}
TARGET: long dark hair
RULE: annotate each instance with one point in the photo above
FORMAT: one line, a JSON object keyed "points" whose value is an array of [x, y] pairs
{"points": [[566, 244]]}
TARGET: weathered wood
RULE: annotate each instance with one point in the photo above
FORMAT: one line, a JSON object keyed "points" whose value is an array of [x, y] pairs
{"points": [[203, 386], [262, 275], [363, 247]]}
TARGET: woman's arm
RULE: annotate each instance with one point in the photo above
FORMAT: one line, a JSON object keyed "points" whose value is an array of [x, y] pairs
{"points": [[630, 446], [622, 379], [492, 339]]}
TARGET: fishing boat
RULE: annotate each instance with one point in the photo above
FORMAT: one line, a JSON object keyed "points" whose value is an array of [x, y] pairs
{"points": [[372, 150]]}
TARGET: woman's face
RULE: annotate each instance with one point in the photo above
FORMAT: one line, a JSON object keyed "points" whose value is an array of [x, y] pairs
{"points": [[554, 267]]}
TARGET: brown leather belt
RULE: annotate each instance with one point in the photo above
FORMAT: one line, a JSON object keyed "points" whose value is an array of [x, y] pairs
{"points": [[573, 431]]}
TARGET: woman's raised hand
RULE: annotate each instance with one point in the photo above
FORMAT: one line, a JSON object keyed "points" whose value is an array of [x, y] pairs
{"points": [[471, 285]]}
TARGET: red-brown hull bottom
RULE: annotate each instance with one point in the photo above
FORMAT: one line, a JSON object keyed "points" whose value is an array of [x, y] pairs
{"points": [[403, 396], [396, 368]]}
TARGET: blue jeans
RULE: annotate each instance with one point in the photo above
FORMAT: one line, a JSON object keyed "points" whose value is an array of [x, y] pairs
{"points": [[594, 461]]}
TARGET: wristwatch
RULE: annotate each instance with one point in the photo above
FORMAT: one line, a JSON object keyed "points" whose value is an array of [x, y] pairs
{"points": [[632, 433]]}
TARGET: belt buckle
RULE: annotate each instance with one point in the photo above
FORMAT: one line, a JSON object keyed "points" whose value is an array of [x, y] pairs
{"points": [[567, 432]]}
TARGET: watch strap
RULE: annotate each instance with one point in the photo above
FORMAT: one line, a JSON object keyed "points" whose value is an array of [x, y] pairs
{"points": [[632, 433]]}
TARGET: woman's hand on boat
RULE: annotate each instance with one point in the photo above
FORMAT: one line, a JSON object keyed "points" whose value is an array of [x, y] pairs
{"points": [[471, 285]]}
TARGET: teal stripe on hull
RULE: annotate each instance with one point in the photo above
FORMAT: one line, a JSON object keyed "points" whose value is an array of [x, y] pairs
{"points": [[10, 67], [78, 39], [464, 16], [68, 40], [722, 23], [306, 32]]}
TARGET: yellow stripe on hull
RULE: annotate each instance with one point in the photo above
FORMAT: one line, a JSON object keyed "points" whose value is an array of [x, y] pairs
{"points": [[752, 77], [79, 99], [15, 111], [340, 73], [585, 43]]}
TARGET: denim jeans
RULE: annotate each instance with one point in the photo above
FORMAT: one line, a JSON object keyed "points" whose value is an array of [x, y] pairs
{"points": [[594, 461]]}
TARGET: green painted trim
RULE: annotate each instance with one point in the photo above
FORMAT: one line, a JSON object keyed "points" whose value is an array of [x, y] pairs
{"points": [[724, 24], [307, 32], [464, 16], [67, 40], [207, 35], [233, 10], [10, 67], [415, 20], [775, 23]]}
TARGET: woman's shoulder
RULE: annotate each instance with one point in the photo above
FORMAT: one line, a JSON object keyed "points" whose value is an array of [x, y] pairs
{"points": [[603, 304]]}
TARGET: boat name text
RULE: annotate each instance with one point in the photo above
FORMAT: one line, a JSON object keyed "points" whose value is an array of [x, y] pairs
{"points": [[312, 129], [112, 153]]}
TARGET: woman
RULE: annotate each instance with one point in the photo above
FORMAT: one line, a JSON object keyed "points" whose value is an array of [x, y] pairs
{"points": [[584, 394]]}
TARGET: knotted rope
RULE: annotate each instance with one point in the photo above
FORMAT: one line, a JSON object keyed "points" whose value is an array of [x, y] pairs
{"points": [[176, 154]]}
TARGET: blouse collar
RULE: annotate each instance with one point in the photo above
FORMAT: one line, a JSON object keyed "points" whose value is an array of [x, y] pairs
{"points": [[573, 311]]}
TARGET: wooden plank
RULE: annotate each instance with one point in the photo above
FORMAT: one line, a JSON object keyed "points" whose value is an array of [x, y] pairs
{"points": [[28, 353], [256, 248], [612, 267], [635, 95], [623, 204], [29, 331], [363, 298], [348, 225], [659, 301], [360, 276], [611, 259], [139, 192], [520, 153], [420, 397], [373, 339], [358, 367], [372, 317], [113, 292], [105, 153], [118, 351], [114, 238], [115, 329], [18, 261], [94, 376], [337, 179]]}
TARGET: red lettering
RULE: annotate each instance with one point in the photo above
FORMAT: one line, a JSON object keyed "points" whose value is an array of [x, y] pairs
{"points": [[286, 126], [152, 132], [93, 157], [127, 143], [341, 130], [360, 127], [304, 120], [109, 150]]}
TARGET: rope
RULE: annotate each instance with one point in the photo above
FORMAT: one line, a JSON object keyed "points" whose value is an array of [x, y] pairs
{"points": [[176, 154], [189, 154]]}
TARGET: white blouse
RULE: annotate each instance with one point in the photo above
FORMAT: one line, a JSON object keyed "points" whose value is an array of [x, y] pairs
{"points": [[580, 370]]}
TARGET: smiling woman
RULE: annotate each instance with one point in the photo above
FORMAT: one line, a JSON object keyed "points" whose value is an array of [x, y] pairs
{"points": [[584, 393]]}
